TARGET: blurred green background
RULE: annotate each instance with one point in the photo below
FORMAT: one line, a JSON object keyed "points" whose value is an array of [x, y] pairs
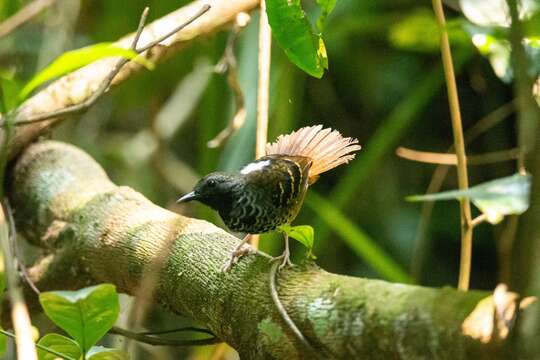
{"points": [[384, 86]]}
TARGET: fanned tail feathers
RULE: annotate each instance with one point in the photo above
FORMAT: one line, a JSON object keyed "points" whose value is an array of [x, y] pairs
{"points": [[327, 148]]}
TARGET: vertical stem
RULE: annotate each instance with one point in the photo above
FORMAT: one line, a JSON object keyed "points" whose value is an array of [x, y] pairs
{"points": [[265, 43], [19, 312], [263, 87], [459, 145]]}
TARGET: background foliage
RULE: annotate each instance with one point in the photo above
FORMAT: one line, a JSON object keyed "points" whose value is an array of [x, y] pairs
{"points": [[384, 85]]}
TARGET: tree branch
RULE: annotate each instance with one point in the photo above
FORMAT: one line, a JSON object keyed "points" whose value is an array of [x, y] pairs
{"points": [[99, 232], [79, 86]]}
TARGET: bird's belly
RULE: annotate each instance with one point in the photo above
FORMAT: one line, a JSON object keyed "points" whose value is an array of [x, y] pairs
{"points": [[254, 219]]}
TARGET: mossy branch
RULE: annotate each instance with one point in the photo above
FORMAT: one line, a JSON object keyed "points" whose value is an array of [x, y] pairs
{"points": [[99, 232]]}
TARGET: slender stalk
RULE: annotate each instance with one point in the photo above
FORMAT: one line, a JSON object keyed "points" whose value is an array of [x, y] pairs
{"points": [[459, 145], [263, 89], [19, 312], [39, 346]]}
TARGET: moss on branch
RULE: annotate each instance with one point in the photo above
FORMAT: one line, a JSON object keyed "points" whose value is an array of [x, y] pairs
{"points": [[99, 232]]}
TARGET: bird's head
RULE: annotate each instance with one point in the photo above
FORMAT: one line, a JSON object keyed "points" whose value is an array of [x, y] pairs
{"points": [[216, 189]]}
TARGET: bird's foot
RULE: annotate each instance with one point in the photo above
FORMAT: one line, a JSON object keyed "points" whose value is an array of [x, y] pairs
{"points": [[236, 254], [285, 259]]}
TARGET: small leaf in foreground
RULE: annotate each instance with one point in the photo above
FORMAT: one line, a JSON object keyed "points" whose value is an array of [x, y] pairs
{"points": [[75, 59], [303, 234], [496, 198], [103, 353], [60, 344], [86, 314]]}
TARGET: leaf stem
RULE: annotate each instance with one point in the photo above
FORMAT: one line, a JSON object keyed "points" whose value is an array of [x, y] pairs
{"points": [[459, 145], [39, 346]]}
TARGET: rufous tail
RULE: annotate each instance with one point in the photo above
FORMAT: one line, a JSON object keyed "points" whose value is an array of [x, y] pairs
{"points": [[327, 148]]}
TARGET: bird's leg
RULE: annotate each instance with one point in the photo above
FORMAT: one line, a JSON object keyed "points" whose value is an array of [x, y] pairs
{"points": [[239, 251], [285, 257]]}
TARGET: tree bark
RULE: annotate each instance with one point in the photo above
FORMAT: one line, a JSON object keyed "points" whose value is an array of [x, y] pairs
{"points": [[98, 232]]}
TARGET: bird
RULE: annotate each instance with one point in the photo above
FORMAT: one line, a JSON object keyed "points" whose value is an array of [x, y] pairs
{"points": [[269, 192]]}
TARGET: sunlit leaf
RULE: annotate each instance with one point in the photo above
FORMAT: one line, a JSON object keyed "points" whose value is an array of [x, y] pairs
{"points": [[302, 233], [75, 59], [60, 344], [294, 34], [496, 198], [86, 315], [103, 353]]}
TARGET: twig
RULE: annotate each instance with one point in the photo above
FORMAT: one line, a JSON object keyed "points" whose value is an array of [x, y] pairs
{"points": [[83, 106], [39, 346], [228, 64], [283, 312], [23, 16], [478, 220], [505, 244], [481, 126], [19, 312], [459, 145], [184, 329], [23, 272], [153, 340], [451, 159], [263, 89]]}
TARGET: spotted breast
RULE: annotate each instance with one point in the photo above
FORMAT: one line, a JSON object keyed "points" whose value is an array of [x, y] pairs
{"points": [[272, 195]]}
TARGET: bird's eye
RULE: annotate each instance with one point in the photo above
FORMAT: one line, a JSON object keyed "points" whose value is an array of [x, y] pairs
{"points": [[211, 183]]}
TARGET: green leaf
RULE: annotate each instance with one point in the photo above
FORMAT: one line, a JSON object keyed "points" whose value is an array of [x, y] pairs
{"points": [[496, 198], [326, 8], [9, 88], [3, 344], [103, 353], [60, 344], [86, 315], [294, 34], [75, 59], [360, 242], [303, 234]]}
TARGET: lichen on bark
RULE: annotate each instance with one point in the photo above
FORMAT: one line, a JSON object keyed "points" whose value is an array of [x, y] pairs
{"points": [[99, 232]]}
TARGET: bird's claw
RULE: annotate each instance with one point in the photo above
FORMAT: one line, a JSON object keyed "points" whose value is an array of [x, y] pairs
{"points": [[236, 254], [285, 258]]}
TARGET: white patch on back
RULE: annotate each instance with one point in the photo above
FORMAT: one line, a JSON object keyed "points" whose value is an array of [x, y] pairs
{"points": [[254, 166]]}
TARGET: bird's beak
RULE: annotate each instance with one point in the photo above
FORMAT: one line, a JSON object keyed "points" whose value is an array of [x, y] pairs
{"points": [[188, 197]]}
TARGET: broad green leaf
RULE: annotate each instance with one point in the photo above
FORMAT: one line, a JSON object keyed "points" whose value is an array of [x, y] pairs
{"points": [[360, 242], [326, 8], [302, 233], [75, 59], [294, 34], [103, 353], [496, 198], [86, 315], [60, 344]]}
